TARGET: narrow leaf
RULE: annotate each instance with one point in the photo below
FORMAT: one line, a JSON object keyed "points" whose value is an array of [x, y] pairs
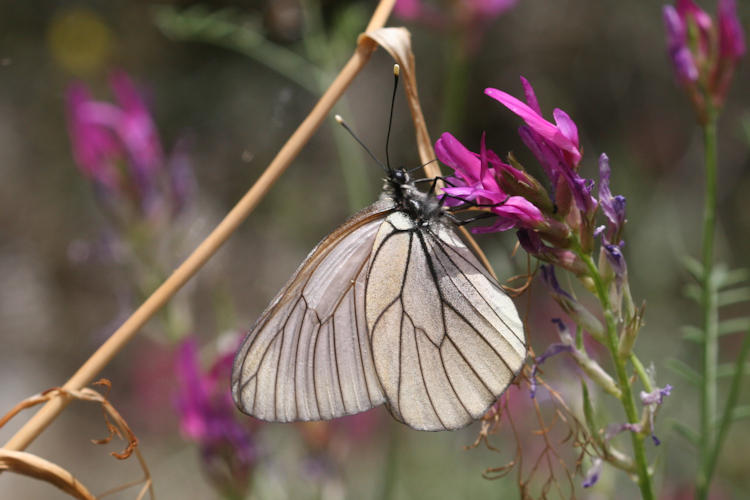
{"points": [[728, 369], [684, 370], [734, 325], [692, 266], [741, 412], [692, 333], [733, 277], [734, 296], [693, 292], [684, 431]]}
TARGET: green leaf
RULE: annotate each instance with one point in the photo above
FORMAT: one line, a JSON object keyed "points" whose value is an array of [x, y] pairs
{"points": [[741, 412], [728, 369], [684, 370], [684, 431], [734, 325], [733, 277], [693, 266], [734, 296], [692, 333], [693, 292]]}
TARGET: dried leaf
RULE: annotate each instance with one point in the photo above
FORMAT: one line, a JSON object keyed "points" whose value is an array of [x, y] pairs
{"points": [[31, 465]]}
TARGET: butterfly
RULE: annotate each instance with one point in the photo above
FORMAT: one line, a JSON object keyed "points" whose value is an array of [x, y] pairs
{"points": [[391, 307]]}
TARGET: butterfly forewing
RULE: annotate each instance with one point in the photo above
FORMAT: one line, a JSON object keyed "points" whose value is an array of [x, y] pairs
{"points": [[308, 357], [446, 340]]}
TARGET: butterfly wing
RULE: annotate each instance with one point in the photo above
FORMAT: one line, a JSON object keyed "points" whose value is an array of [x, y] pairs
{"points": [[445, 338], [308, 357]]}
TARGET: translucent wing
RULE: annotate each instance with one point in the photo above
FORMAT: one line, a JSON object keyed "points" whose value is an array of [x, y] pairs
{"points": [[308, 357], [446, 340]]}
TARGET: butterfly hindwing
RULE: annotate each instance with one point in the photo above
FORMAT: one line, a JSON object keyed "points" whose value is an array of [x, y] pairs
{"points": [[308, 356], [446, 340]]}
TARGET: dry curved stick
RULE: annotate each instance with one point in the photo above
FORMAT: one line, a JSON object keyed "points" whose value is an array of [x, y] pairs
{"points": [[31, 465], [209, 246], [34, 466]]}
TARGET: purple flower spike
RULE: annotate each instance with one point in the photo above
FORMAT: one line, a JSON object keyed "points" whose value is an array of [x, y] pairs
{"points": [[548, 275], [207, 416], [613, 207], [677, 43], [617, 260], [552, 350], [592, 475], [731, 35]]}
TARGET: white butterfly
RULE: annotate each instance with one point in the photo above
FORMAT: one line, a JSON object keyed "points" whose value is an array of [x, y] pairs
{"points": [[391, 307]]}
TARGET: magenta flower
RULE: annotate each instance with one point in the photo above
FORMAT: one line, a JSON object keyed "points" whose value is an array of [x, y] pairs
{"points": [[556, 146], [117, 146], [704, 53], [474, 180], [731, 36], [208, 417], [677, 44], [95, 148]]}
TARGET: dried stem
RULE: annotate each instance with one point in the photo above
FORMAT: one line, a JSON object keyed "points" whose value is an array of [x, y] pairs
{"points": [[213, 242]]}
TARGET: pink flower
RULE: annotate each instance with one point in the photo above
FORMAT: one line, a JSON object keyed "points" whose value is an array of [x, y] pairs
{"points": [[117, 146], [208, 417], [704, 53], [476, 181], [563, 134], [731, 36], [556, 146]]}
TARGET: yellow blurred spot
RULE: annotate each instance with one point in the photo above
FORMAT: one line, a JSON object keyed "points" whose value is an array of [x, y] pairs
{"points": [[79, 40]]}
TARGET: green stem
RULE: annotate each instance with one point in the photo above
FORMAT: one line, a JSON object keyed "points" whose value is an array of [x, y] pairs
{"points": [[710, 311], [728, 416], [627, 400]]}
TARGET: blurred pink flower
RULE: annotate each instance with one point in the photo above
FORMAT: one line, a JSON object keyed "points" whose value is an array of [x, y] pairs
{"points": [[731, 35], [704, 53], [117, 146], [208, 417]]}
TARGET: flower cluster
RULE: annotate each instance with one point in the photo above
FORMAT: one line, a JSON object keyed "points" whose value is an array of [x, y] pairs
{"points": [[704, 52], [208, 417], [557, 224], [551, 224], [117, 147]]}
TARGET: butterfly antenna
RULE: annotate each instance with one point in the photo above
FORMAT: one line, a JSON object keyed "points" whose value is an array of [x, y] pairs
{"points": [[346, 127], [396, 71], [421, 166]]}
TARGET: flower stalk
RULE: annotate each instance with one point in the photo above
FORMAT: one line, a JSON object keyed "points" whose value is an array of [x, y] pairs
{"points": [[559, 228], [710, 310]]}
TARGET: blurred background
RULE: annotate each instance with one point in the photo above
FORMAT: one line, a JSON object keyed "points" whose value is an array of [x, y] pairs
{"points": [[219, 87]]}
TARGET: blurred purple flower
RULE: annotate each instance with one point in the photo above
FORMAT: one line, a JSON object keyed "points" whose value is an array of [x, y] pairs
{"points": [[208, 417], [677, 44], [592, 475], [731, 36], [117, 146], [475, 181], [704, 53]]}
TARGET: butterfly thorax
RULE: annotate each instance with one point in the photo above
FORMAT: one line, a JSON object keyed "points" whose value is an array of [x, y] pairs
{"points": [[422, 207]]}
